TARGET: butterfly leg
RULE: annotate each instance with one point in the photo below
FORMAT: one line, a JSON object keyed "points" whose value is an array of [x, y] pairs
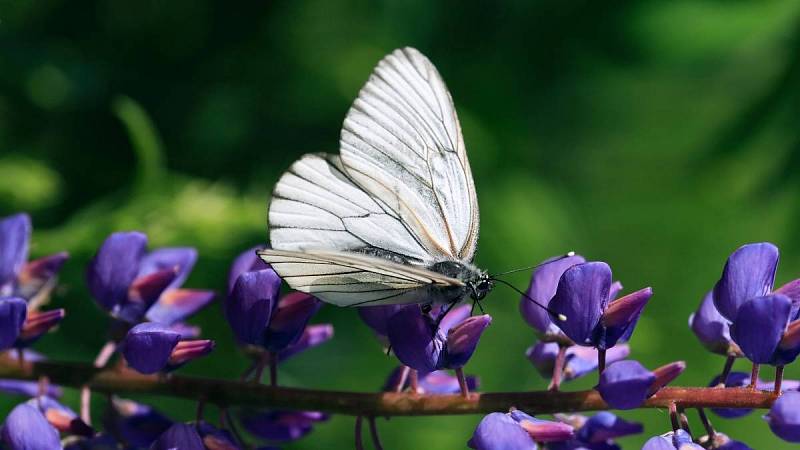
{"points": [[443, 313]]}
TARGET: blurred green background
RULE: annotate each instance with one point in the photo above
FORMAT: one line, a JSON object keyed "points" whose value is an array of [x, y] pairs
{"points": [[656, 136]]}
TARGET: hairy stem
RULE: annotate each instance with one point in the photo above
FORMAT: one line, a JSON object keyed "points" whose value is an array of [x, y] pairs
{"points": [[229, 392]]}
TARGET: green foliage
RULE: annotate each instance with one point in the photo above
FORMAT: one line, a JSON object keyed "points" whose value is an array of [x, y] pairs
{"points": [[657, 136]]}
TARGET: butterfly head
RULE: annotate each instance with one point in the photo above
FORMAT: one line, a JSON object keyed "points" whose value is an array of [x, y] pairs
{"points": [[480, 286]]}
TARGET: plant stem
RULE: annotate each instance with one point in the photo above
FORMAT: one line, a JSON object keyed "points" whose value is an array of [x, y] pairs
{"points": [[778, 380], [229, 392], [359, 441], [601, 360], [273, 369], [726, 370], [706, 423], [558, 368], [462, 382], [754, 377], [373, 431]]}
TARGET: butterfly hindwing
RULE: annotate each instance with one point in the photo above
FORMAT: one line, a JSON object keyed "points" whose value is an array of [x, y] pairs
{"points": [[349, 279]]}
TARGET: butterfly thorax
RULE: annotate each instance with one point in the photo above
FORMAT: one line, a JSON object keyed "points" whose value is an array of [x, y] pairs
{"points": [[477, 281]]}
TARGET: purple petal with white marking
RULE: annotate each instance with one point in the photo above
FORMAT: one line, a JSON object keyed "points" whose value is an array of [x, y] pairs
{"points": [[542, 288], [582, 296]]}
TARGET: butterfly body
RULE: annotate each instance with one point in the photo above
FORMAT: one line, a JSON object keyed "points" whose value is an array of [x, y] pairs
{"points": [[394, 217]]}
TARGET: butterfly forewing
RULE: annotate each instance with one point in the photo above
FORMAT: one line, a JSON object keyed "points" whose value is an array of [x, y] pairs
{"points": [[361, 228]]}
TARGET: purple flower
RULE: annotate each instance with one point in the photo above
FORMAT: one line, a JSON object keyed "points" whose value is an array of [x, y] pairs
{"points": [[136, 424], [312, 336], [784, 417], [748, 273], [28, 388], [254, 312], [584, 297], [721, 441], [179, 436], [419, 344], [281, 426], [150, 347], [26, 428], [763, 331], [31, 280], [437, 382], [605, 426], [133, 285], [578, 362], [542, 288], [516, 431], [61, 417], [679, 440], [626, 384], [377, 318], [712, 329]]}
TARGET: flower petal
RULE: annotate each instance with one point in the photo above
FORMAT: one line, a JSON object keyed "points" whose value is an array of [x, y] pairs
{"points": [[604, 426], [413, 339], [454, 317], [621, 315], [249, 307], [142, 293], [188, 350], [136, 424], [37, 276], [181, 259], [289, 320], [26, 428], [15, 234], [784, 417], [114, 267], [148, 346], [625, 384], [176, 305], [759, 325], [710, 327], [542, 288], [179, 436], [583, 360], [12, 316], [312, 336], [748, 273], [441, 382], [582, 296], [666, 374], [498, 431], [281, 426], [377, 317], [462, 340], [28, 388], [36, 324], [247, 261], [658, 443]]}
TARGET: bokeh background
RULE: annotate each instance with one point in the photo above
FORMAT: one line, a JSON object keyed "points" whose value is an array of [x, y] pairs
{"points": [[656, 136]]}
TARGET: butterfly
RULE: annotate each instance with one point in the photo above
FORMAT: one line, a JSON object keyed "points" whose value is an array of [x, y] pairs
{"points": [[392, 219]]}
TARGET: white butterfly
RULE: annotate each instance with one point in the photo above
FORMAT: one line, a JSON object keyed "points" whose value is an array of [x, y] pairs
{"points": [[392, 219]]}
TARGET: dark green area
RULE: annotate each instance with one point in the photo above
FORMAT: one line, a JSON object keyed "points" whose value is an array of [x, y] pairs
{"points": [[656, 136]]}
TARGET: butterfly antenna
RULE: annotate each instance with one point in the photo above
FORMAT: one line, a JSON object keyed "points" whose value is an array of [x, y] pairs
{"points": [[560, 316], [566, 255]]}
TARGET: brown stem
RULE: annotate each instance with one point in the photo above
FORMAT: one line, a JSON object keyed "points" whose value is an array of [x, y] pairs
{"points": [[673, 416], [229, 393], [462, 382], [373, 431], [706, 424], [754, 377], [601, 360], [558, 368], [100, 361], [684, 420], [359, 442], [413, 381], [778, 380], [726, 370]]}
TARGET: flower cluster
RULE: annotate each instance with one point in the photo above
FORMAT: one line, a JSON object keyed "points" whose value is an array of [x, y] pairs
{"points": [[575, 307]]}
